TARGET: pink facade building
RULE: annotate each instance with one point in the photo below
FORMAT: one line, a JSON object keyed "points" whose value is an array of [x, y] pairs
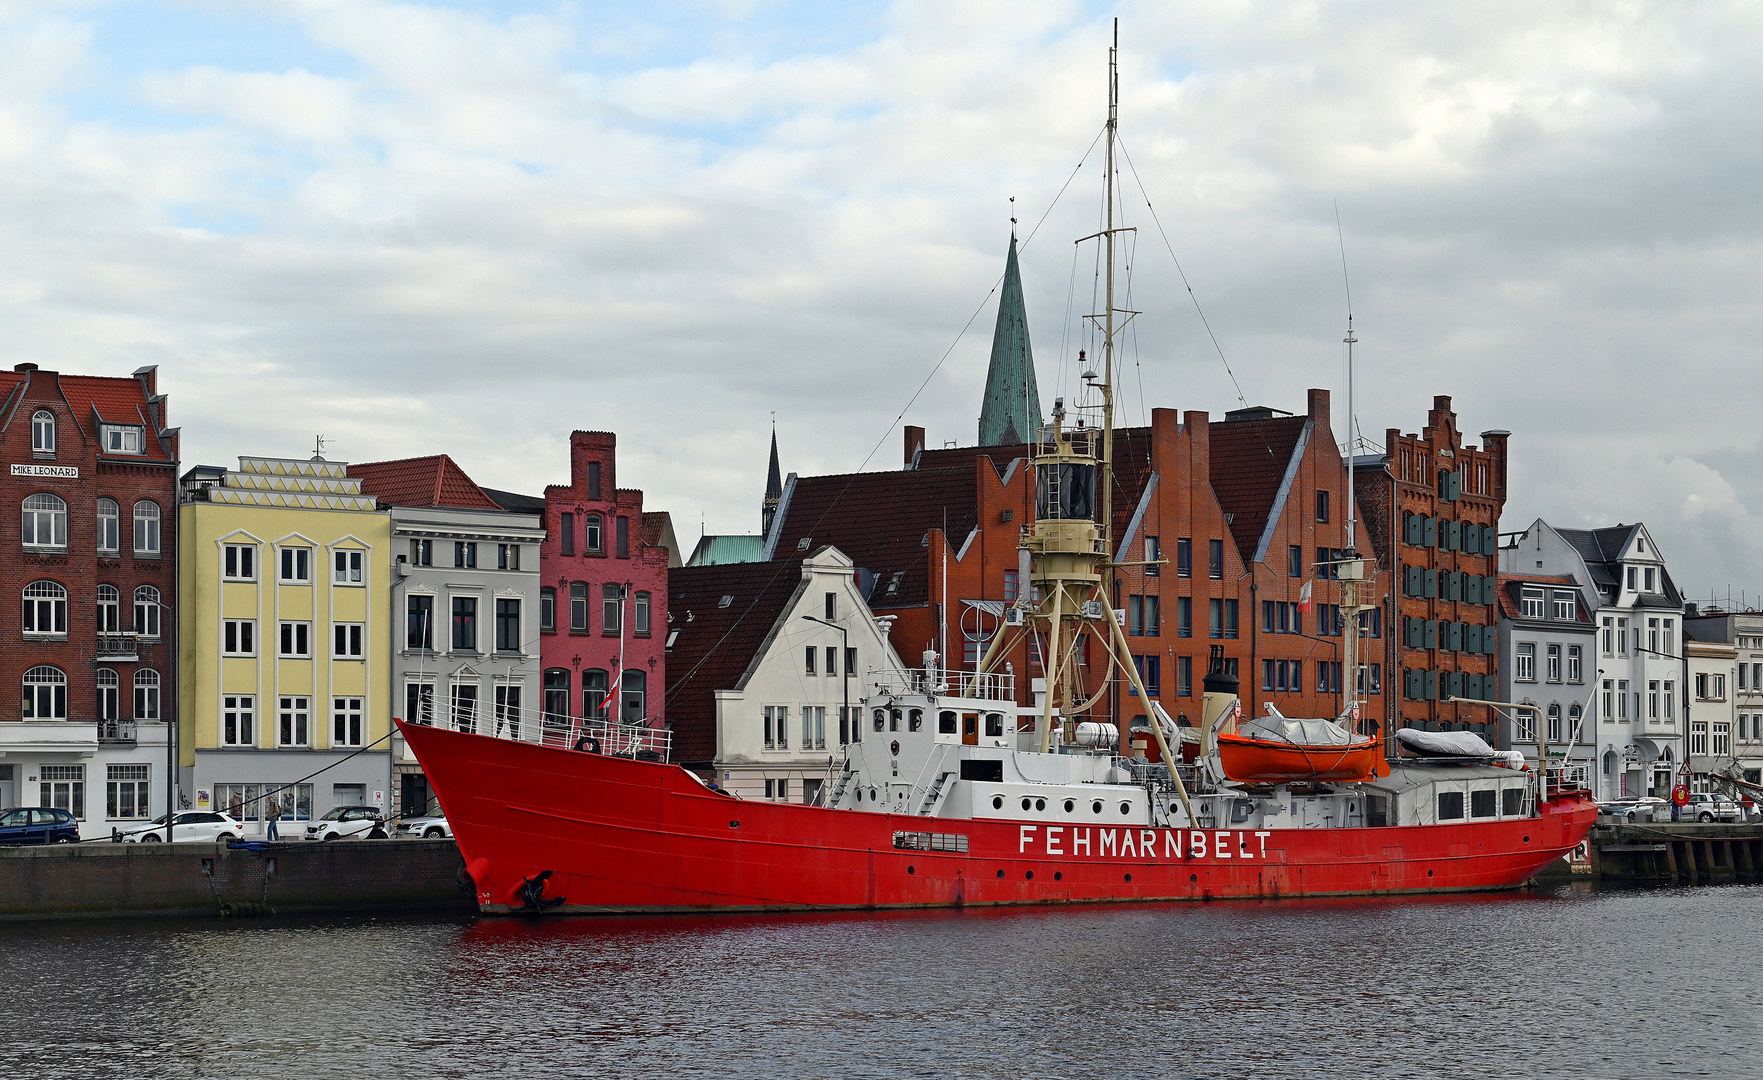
{"points": [[603, 592]]}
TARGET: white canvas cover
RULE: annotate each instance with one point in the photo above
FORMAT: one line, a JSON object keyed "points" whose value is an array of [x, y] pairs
{"points": [[1450, 743], [1276, 727]]}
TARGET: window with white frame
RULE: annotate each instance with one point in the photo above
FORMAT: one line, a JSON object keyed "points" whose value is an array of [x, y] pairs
{"points": [[1722, 733], [1608, 643], [43, 432], [45, 693], [611, 609], [1653, 700], [1575, 664], [508, 710], [1554, 715], [813, 727], [123, 439], [1622, 700], [1652, 635], [147, 529], [640, 615], [1523, 725], [464, 702], [296, 640], [346, 567], [777, 727], [45, 610], [347, 727], [1670, 715], [1622, 636], [1668, 640], [296, 566], [591, 532], [147, 609], [238, 720], [109, 609], [294, 722], [109, 527], [1699, 737], [508, 635], [349, 640], [126, 794], [64, 788], [238, 637], [1531, 606], [109, 694], [45, 522], [146, 694], [1561, 605], [1553, 653], [1525, 670], [419, 702], [1609, 703], [238, 562]]}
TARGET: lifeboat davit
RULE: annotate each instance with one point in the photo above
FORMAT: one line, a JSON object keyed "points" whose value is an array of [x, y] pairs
{"points": [[1278, 750]]}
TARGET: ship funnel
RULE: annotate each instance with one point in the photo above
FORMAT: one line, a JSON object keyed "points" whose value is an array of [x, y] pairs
{"points": [[1220, 701]]}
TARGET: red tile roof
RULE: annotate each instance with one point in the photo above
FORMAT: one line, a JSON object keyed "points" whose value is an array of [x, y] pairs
{"points": [[716, 643], [423, 481], [1248, 460], [96, 398], [880, 520], [1509, 607]]}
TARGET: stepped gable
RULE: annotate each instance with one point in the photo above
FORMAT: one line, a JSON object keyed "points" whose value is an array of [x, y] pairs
{"points": [[880, 520], [1248, 460], [717, 642], [309, 485], [435, 480]]}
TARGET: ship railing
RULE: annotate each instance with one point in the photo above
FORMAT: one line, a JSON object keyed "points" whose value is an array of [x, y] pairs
{"points": [[949, 682], [611, 738]]}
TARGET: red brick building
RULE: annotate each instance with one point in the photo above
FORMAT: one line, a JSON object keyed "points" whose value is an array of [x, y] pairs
{"points": [[603, 586], [1433, 508], [86, 633]]}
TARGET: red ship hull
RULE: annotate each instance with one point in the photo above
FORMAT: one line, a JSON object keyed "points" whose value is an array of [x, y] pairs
{"points": [[618, 835]]}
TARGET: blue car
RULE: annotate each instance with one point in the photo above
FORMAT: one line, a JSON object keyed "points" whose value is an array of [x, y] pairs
{"points": [[38, 825]]}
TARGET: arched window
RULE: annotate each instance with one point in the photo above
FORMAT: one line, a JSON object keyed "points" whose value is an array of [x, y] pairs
{"points": [[557, 696], [109, 609], [591, 532], [43, 431], [109, 527], [147, 528], [45, 693], [45, 522], [147, 611], [45, 609], [635, 697], [596, 692], [109, 694], [1555, 723], [1609, 763], [146, 694]]}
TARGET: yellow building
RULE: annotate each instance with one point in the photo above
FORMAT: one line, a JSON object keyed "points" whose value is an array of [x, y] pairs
{"points": [[284, 575]]}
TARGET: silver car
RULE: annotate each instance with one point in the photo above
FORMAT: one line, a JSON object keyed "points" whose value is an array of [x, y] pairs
{"points": [[1707, 806], [348, 823], [427, 828], [191, 826]]}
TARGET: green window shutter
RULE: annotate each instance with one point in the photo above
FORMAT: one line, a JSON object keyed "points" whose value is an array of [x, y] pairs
{"points": [[1411, 529], [1429, 532], [1430, 584], [1429, 636], [1411, 631], [1411, 580], [1454, 636], [1453, 534], [1490, 540], [1472, 538], [1490, 640], [1432, 686], [1474, 643]]}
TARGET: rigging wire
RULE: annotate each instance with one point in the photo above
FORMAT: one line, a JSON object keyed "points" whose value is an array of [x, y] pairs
{"points": [[1184, 276]]}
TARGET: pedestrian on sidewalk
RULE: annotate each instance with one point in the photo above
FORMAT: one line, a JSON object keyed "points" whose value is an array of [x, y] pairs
{"points": [[273, 813]]}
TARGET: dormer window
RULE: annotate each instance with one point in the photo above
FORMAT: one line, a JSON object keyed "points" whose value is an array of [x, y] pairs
{"points": [[43, 432], [1634, 576], [122, 439], [1532, 603], [1649, 579], [1561, 605]]}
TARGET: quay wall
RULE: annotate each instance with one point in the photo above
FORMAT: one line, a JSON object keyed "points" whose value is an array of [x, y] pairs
{"points": [[1677, 854], [103, 880]]}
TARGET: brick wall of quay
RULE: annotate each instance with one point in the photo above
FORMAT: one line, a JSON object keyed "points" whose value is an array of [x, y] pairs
{"points": [[100, 880]]}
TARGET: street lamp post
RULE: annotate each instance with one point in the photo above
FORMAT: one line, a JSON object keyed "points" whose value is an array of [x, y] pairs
{"points": [[845, 648]]}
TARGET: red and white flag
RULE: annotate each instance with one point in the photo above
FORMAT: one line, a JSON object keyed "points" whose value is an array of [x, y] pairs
{"points": [[607, 701], [1304, 597]]}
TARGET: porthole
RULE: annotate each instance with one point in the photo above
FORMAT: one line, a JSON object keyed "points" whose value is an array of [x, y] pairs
{"points": [[1429, 873], [1129, 879], [1070, 805], [1030, 876], [1527, 839], [1026, 802], [734, 824], [1193, 878], [1173, 807], [1126, 808], [911, 869], [1096, 807], [1058, 875], [997, 802], [1000, 873], [1040, 804]]}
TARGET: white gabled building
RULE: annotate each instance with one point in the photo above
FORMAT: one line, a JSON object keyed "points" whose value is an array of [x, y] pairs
{"points": [[1640, 701], [767, 667]]}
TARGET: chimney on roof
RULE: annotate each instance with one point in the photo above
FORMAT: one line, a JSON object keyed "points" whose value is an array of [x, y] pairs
{"points": [[24, 367], [1318, 407], [914, 442]]}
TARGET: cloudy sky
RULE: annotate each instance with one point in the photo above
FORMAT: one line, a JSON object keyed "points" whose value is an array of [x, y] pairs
{"points": [[470, 227]]}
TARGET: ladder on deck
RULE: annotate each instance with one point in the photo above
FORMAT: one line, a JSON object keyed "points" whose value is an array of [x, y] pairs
{"points": [[839, 791], [934, 793]]}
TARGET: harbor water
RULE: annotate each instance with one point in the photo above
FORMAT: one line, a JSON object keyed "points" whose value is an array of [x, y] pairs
{"points": [[1573, 982]]}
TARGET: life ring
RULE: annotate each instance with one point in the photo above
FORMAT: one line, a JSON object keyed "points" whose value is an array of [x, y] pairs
{"points": [[588, 743]]}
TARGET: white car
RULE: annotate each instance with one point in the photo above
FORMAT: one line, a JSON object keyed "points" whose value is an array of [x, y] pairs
{"points": [[191, 826], [428, 828], [348, 823]]}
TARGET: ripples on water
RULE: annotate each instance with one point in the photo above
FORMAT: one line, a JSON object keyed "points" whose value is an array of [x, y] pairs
{"points": [[1573, 984]]}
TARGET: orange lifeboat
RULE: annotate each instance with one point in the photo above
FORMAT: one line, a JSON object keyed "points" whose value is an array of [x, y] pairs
{"points": [[1277, 750]]}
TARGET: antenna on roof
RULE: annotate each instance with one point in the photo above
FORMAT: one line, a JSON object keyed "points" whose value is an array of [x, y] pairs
{"points": [[318, 448], [1352, 427]]}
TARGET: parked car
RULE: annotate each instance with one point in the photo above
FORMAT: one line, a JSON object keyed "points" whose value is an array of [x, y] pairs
{"points": [[38, 825], [428, 828], [190, 826], [1706, 806], [1643, 808], [349, 823]]}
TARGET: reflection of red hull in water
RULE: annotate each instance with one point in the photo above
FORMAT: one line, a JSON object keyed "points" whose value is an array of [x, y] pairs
{"points": [[612, 834], [1276, 762]]}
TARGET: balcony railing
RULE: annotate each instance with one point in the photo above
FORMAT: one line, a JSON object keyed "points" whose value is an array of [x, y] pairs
{"points": [[951, 682], [116, 731], [118, 646]]}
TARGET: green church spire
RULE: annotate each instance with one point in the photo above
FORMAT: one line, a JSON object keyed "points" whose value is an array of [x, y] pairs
{"points": [[1011, 413]]}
